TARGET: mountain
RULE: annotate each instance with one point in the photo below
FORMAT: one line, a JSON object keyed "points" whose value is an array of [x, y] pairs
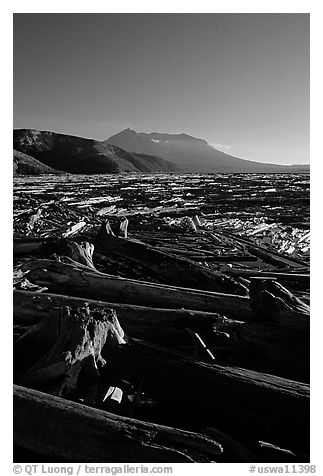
{"points": [[79, 155], [192, 154], [23, 164]]}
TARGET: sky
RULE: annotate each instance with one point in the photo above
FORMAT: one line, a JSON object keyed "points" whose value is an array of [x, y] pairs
{"points": [[239, 81]]}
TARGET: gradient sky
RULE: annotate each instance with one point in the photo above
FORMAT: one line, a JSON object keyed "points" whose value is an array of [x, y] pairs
{"points": [[240, 81]]}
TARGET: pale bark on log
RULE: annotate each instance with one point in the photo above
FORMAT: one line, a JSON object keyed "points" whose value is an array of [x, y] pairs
{"points": [[83, 434], [245, 404], [79, 280], [63, 278]]}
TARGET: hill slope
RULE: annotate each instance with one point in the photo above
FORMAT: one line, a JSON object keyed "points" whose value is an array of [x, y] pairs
{"points": [[191, 154], [23, 164], [78, 155]]}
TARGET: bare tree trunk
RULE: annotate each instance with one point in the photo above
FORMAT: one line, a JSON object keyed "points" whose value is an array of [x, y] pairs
{"points": [[64, 278], [83, 434], [245, 404]]}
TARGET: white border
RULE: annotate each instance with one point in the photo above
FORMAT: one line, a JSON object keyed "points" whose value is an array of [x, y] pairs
{"points": [[60, 6]]}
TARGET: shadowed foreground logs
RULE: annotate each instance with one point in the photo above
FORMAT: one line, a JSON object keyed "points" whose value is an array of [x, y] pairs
{"points": [[276, 303], [69, 432], [245, 404], [257, 344], [54, 353]]}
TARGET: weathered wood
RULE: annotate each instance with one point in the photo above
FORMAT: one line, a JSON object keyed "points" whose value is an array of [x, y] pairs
{"points": [[245, 404], [66, 279], [269, 452], [82, 253], [260, 345], [273, 348], [177, 271], [83, 434], [74, 229], [274, 302], [163, 326], [53, 353], [290, 278], [27, 246], [268, 255], [233, 451]]}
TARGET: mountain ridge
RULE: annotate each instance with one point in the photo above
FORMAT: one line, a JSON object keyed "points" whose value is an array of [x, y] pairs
{"points": [[191, 153], [76, 154], [24, 164], [130, 151]]}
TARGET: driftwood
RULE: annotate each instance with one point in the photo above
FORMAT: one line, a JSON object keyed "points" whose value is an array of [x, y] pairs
{"points": [[298, 280], [260, 345], [161, 326], [270, 452], [275, 303], [244, 404], [67, 279], [74, 229], [64, 346], [177, 271], [233, 451], [84, 434], [268, 255], [82, 253], [269, 301], [273, 348]]}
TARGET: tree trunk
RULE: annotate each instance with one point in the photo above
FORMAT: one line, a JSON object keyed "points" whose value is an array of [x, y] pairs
{"points": [[161, 326], [83, 434], [176, 271], [275, 303], [55, 352], [64, 278], [245, 404]]}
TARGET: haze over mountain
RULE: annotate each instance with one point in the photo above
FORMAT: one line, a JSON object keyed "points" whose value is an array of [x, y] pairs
{"points": [[192, 154], [79, 155]]}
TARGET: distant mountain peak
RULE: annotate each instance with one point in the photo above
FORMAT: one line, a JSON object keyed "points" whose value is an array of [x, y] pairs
{"points": [[190, 153]]}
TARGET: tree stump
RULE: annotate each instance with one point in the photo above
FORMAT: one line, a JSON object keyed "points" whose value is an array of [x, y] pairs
{"points": [[62, 352]]}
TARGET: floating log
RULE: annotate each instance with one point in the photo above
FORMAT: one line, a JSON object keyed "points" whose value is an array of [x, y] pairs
{"points": [[83, 434], [64, 278], [244, 404], [177, 271]]}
